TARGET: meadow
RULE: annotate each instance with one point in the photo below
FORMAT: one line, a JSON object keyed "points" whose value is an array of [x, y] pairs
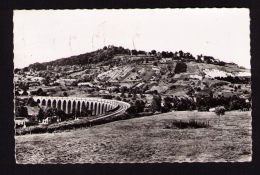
{"points": [[145, 139]]}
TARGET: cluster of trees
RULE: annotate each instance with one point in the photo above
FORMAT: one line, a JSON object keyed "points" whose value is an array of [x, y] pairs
{"points": [[25, 102], [132, 90], [140, 52], [180, 67], [203, 103], [21, 111], [136, 107], [37, 66], [177, 55], [106, 54], [235, 80], [52, 112], [209, 60], [100, 55], [156, 102], [39, 92]]}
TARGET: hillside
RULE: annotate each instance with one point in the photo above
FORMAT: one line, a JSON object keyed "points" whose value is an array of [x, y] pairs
{"points": [[134, 76], [111, 53]]}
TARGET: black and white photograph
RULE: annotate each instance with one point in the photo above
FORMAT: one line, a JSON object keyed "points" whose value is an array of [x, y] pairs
{"points": [[132, 86]]}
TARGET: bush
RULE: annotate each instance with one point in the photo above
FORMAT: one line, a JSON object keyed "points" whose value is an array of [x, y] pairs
{"points": [[107, 97], [191, 124], [180, 67], [220, 110]]}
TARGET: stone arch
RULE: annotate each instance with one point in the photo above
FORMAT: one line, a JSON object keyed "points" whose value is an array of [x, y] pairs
{"points": [[78, 106], [59, 104], [73, 109], [98, 109], [49, 103], [95, 108], [87, 105], [43, 102], [91, 108], [64, 106], [74, 106], [38, 101], [54, 104], [105, 109], [82, 104], [102, 108], [69, 107]]}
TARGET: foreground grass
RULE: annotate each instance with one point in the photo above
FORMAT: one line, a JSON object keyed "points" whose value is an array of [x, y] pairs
{"points": [[144, 139]]}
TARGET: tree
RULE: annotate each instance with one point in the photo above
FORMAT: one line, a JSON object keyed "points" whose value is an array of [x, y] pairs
{"points": [[48, 112], [42, 93], [180, 67], [131, 110], [155, 63], [41, 114], [170, 55], [139, 106], [84, 112], [31, 102], [219, 111], [61, 114], [167, 104], [46, 81], [118, 98], [25, 69], [21, 111], [16, 70], [156, 102], [134, 52], [164, 54], [181, 53], [65, 94], [73, 112], [153, 52], [17, 93], [39, 91], [124, 89]]}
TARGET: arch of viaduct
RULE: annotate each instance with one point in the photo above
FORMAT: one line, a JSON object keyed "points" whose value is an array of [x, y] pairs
{"points": [[67, 104]]}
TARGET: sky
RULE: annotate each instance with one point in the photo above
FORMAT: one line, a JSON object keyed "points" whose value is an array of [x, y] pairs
{"points": [[46, 35]]}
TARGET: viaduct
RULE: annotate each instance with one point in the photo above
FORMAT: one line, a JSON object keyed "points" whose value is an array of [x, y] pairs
{"points": [[67, 104]]}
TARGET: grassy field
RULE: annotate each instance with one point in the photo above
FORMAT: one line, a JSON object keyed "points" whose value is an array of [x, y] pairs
{"points": [[145, 139]]}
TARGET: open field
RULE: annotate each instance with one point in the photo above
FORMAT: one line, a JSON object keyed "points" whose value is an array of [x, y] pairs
{"points": [[145, 139]]}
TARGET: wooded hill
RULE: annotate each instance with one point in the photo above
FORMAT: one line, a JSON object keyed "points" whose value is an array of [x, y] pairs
{"points": [[108, 52]]}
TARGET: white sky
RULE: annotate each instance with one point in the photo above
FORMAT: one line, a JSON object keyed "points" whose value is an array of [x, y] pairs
{"points": [[46, 35]]}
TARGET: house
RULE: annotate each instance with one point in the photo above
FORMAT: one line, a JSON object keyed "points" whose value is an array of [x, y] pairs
{"points": [[196, 77], [166, 60], [21, 121], [50, 120], [86, 84], [156, 69], [111, 88]]}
